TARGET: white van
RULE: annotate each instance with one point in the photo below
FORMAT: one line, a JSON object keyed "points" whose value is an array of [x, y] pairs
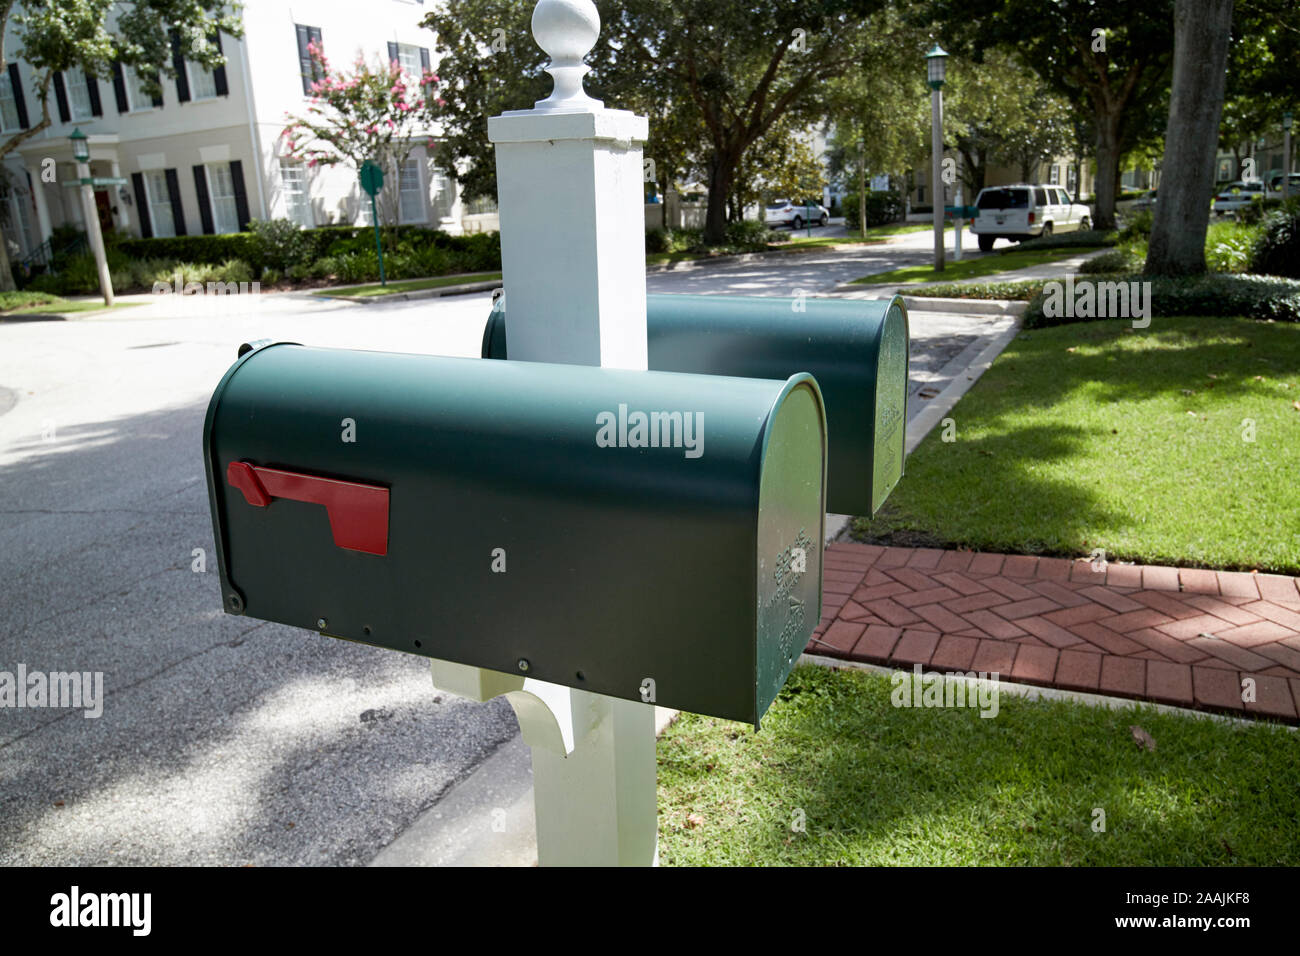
{"points": [[1022, 211]]}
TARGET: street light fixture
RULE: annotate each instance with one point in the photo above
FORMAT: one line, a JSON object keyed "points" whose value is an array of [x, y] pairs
{"points": [[935, 68], [936, 65], [80, 146], [89, 211]]}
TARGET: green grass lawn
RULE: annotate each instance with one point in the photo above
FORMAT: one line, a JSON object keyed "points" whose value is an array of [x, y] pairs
{"points": [[970, 268], [1097, 435], [65, 307], [414, 285], [880, 785]]}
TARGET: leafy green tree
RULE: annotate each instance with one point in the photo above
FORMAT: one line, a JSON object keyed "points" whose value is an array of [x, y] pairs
{"points": [[713, 77], [57, 35], [1110, 57], [780, 165]]}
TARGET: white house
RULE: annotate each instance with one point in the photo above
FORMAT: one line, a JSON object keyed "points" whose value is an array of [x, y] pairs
{"points": [[207, 155]]}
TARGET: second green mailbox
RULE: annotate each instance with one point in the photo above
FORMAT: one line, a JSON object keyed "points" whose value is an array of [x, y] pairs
{"points": [[592, 527], [856, 349]]}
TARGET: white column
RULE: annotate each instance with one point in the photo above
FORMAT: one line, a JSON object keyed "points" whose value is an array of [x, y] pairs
{"points": [[123, 217], [569, 186], [42, 207]]}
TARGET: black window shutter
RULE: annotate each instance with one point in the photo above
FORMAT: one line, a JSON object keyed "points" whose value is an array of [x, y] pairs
{"points": [[61, 97], [305, 64], [119, 89], [92, 87], [205, 203], [142, 203], [424, 65], [392, 51], [178, 64], [219, 74], [20, 102], [241, 195], [174, 191], [158, 100]]}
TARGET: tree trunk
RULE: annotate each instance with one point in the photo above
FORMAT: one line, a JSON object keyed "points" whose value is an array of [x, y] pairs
{"points": [[1182, 215], [1104, 186], [6, 271], [715, 219]]}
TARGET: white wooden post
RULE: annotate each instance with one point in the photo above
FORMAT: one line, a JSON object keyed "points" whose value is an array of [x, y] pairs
{"points": [[570, 193]]}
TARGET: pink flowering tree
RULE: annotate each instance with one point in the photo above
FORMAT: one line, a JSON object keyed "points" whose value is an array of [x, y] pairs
{"points": [[379, 112]]}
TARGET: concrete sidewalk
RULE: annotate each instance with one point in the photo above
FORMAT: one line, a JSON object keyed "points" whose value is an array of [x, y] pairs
{"points": [[1182, 636]]}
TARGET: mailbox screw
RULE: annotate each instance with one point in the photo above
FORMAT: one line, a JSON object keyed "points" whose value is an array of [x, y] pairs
{"points": [[322, 623], [524, 665]]}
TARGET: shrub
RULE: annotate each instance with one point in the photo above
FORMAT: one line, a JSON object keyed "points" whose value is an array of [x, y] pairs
{"points": [[1228, 246], [656, 240], [748, 235], [1139, 226], [271, 277], [1277, 250], [236, 270], [280, 243], [882, 208], [1257, 297]]}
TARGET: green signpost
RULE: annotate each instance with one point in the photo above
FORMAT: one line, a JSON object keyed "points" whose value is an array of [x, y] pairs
{"points": [[372, 180]]}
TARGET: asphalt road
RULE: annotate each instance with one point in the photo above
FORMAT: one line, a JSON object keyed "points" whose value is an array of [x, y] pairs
{"points": [[223, 740]]}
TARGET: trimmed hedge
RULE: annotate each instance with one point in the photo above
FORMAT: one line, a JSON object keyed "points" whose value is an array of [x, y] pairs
{"points": [[1256, 297], [480, 252]]}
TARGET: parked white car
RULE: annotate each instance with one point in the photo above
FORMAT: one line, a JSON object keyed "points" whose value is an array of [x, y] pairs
{"points": [[1236, 195], [783, 212], [1274, 190], [1022, 211]]}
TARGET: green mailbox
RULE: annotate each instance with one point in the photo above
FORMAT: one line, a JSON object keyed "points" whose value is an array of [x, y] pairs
{"points": [[856, 349], [644, 535]]}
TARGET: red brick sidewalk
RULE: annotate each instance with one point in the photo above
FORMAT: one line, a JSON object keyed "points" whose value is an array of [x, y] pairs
{"points": [[1174, 635]]}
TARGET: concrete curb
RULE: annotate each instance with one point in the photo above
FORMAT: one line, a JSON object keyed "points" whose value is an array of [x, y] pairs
{"points": [[943, 403]]}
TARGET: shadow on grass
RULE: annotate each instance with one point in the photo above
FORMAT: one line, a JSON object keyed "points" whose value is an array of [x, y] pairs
{"points": [[875, 784]]}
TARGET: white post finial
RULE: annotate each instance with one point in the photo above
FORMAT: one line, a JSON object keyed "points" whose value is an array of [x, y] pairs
{"points": [[567, 30]]}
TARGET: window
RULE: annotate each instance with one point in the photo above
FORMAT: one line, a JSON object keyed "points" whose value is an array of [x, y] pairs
{"points": [[308, 67], [1054, 175], [297, 197], [79, 95], [444, 196], [160, 203], [8, 105], [1061, 198], [409, 56], [137, 97], [1040, 197], [410, 190], [203, 83], [221, 194]]}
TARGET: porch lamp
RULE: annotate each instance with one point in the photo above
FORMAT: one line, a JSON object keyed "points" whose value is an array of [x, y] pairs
{"points": [[80, 146], [935, 67]]}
